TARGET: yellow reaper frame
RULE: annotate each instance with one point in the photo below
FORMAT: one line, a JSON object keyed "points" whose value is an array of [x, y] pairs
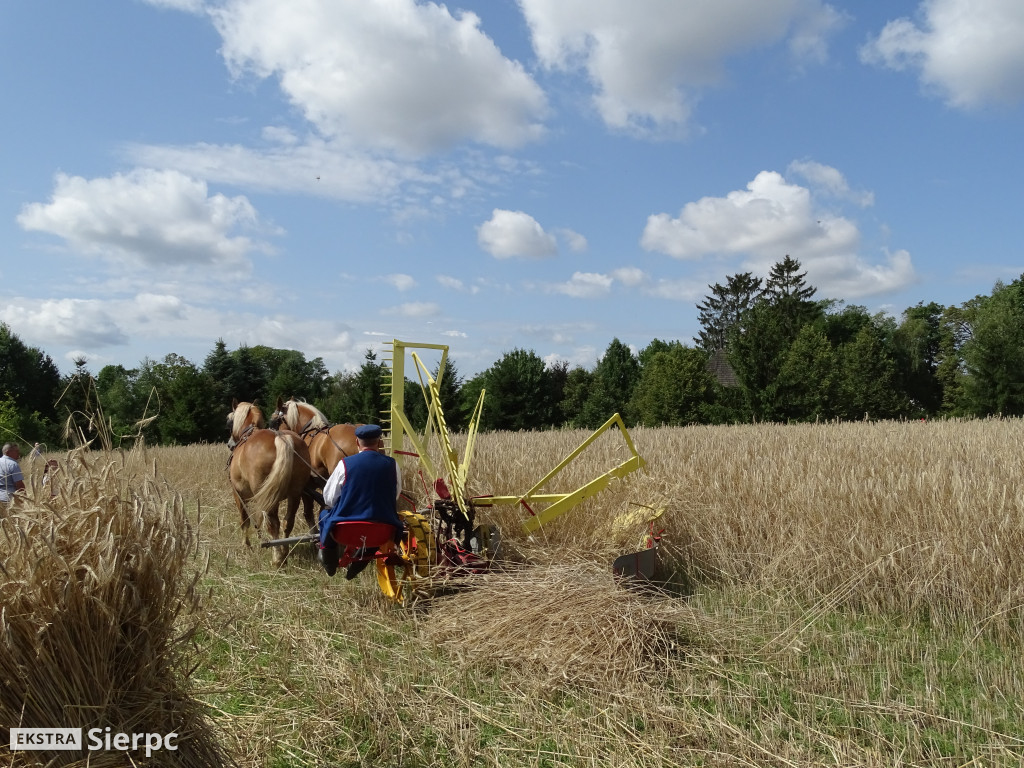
{"points": [[455, 470]]}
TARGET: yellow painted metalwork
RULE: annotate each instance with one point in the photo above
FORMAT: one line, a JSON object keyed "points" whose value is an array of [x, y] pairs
{"points": [[559, 503], [456, 470]]}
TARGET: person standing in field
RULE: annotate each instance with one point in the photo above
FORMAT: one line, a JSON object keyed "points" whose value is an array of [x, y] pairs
{"points": [[11, 480], [51, 469], [364, 486]]}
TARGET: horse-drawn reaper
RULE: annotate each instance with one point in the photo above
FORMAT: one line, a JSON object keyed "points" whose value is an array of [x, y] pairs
{"points": [[443, 538]]}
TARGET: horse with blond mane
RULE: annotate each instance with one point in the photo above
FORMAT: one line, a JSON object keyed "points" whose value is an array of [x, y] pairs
{"points": [[328, 443], [266, 467]]}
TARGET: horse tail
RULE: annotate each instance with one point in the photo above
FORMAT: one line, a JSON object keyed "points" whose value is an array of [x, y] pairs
{"points": [[274, 487]]}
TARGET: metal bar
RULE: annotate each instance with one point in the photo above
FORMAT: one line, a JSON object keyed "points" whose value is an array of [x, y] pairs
{"points": [[306, 537]]}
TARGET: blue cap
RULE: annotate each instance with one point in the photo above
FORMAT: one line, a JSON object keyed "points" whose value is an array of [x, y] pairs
{"points": [[368, 432]]}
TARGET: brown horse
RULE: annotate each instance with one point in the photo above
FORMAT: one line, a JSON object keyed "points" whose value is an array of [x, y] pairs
{"points": [[267, 467], [328, 444]]}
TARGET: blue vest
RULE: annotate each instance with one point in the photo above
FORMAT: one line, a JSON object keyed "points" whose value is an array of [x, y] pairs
{"points": [[369, 492]]}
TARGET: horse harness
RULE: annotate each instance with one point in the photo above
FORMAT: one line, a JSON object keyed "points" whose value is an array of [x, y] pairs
{"points": [[232, 443]]}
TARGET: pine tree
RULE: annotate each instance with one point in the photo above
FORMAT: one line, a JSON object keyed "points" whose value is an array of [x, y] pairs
{"points": [[725, 308], [787, 290]]}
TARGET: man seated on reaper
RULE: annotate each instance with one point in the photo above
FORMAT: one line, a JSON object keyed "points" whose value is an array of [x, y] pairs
{"points": [[364, 486]]}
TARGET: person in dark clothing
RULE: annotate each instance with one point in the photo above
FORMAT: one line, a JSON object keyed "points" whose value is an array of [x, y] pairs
{"points": [[364, 486]]}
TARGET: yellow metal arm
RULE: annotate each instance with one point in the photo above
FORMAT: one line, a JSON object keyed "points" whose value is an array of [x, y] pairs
{"points": [[563, 502]]}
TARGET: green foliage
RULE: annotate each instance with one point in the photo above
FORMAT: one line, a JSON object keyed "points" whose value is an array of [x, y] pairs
{"points": [[358, 397], [10, 419], [675, 388], [756, 353], [611, 387], [519, 393], [869, 381], [122, 399], [795, 358], [724, 308], [790, 295], [994, 355], [575, 389], [919, 349], [188, 408], [450, 390], [32, 381], [807, 384]]}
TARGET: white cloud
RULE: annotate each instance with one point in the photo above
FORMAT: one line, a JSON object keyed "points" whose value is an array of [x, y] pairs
{"points": [[585, 285], [77, 322], [416, 309], [312, 167], [826, 179], [146, 217], [392, 74], [662, 288], [630, 276], [770, 219], [159, 306], [648, 57], [970, 51], [400, 282], [576, 242], [189, 6], [514, 233], [679, 289]]}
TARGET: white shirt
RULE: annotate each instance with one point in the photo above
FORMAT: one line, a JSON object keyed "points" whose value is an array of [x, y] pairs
{"points": [[332, 490]]}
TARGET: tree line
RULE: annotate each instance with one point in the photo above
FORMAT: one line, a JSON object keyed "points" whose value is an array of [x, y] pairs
{"points": [[767, 350]]}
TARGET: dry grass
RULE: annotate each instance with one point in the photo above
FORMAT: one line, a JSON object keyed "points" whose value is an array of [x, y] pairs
{"points": [[854, 600], [98, 608]]}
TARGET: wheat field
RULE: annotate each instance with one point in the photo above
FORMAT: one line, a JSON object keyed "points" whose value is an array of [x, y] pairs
{"points": [[840, 595]]}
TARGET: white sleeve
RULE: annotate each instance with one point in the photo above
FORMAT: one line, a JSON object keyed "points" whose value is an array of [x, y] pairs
{"points": [[333, 488]]}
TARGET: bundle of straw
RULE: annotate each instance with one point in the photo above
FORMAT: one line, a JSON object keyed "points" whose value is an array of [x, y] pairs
{"points": [[97, 610], [570, 622]]}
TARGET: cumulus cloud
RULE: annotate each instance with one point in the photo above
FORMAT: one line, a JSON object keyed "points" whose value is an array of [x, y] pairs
{"points": [[828, 180], [576, 242], [310, 167], [770, 219], [74, 322], [513, 233], [455, 284], [647, 58], [662, 288], [630, 276], [146, 217], [392, 74], [969, 51], [400, 282], [156, 306], [416, 309], [585, 285]]}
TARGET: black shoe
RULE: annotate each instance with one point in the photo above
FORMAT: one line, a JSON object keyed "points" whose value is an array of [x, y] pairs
{"points": [[329, 557], [359, 565]]}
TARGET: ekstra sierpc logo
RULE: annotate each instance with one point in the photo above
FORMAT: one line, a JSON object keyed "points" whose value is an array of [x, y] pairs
{"points": [[70, 739], [61, 739]]}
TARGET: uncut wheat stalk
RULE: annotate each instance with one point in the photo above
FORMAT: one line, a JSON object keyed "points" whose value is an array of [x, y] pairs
{"points": [[97, 609]]}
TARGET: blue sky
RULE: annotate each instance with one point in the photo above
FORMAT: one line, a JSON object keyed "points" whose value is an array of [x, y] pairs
{"points": [[324, 175]]}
